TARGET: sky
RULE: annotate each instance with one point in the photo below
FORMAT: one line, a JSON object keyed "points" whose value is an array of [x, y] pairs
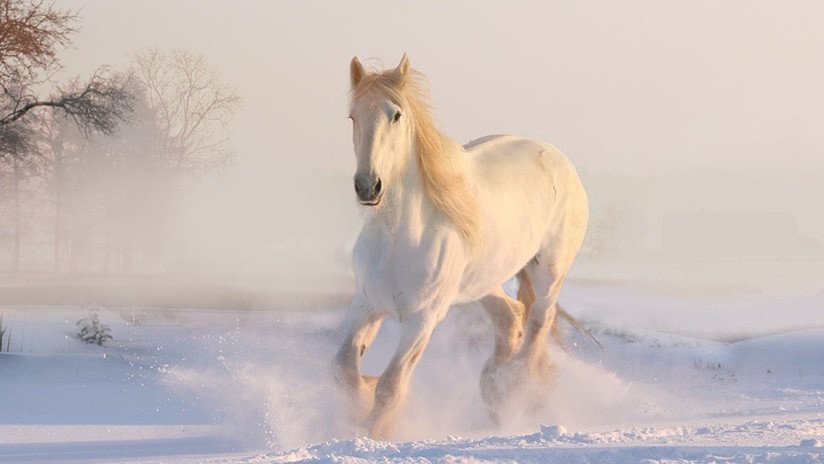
{"points": [[717, 106]]}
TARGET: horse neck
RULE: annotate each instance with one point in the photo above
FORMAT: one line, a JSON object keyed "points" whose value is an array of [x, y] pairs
{"points": [[408, 205]]}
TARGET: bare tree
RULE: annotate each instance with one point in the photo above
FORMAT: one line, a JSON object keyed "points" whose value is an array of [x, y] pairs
{"points": [[192, 105], [110, 195], [30, 34], [58, 143], [15, 143], [14, 139], [98, 104]]}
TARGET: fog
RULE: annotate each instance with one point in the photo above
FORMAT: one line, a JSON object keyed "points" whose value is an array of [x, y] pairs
{"points": [[676, 111]]}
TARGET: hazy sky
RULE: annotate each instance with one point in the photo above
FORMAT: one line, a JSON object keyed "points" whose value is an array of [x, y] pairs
{"points": [[668, 90]]}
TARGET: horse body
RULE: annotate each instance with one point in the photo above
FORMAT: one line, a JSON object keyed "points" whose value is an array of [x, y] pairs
{"points": [[447, 229], [525, 188]]}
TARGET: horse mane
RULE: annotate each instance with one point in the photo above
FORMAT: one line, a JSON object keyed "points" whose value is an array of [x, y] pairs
{"points": [[441, 160]]}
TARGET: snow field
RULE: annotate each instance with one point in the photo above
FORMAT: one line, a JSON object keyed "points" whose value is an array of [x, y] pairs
{"points": [[228, 386]]}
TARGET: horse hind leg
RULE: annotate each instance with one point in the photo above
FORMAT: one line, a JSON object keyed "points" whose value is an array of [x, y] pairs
{"points": [[526, 295], [507, 317], [546, 275]]}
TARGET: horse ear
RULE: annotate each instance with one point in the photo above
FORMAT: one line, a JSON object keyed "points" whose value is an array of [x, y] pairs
{"points": [[403, 66], [356, 71]]}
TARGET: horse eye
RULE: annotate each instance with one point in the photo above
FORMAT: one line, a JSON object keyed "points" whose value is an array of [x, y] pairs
{"points": [[397, 116]]}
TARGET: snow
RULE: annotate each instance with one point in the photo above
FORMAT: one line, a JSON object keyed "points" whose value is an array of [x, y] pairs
{"points": [[725, 377]]}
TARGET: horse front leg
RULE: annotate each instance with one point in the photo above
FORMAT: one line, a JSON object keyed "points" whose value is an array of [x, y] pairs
{"points": [[393, 385], [361, 328]]}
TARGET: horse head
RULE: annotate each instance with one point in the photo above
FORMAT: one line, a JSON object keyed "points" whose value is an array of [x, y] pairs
{"points": [[381, 129]]}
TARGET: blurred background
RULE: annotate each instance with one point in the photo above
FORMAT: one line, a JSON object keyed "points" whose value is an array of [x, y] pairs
{"points": [[696, 127]]}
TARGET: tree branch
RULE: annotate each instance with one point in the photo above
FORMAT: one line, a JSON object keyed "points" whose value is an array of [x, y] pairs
{"points": [[96, 106]]}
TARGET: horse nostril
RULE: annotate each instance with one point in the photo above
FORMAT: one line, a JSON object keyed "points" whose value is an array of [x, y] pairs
{"points": [[368, 188]]}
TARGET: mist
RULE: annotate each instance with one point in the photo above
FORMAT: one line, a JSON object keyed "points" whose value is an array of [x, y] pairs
{"points": [[682, 118]]}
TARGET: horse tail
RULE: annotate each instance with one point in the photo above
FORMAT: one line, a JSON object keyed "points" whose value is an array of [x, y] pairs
{"points": [[574, 323]]}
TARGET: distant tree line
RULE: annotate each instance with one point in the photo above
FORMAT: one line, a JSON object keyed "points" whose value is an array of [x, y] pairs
{"points": [[93, 170]]}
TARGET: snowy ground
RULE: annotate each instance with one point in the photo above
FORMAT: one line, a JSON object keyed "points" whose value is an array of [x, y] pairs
{"points": [[727, 378]]}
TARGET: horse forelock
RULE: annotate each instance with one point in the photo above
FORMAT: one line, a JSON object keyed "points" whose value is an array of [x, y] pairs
{"points": [[441, 161]]}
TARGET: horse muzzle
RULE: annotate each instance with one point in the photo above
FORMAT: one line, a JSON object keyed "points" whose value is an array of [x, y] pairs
{"points": [[369, 190]]}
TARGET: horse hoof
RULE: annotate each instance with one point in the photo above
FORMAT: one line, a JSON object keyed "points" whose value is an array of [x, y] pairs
{"points": [[499, 383], [515, 386]]}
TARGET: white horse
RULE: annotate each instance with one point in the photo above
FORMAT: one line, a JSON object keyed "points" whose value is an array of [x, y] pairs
{"points": [[451, 224]]}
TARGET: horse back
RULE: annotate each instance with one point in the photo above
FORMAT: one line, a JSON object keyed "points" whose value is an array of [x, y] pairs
{"points": [[529, 192]]}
